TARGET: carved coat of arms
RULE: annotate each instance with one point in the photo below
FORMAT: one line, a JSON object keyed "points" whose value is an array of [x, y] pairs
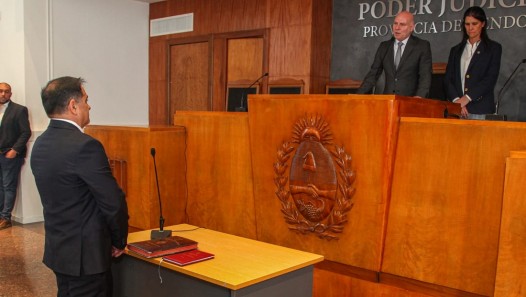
{"points": [[319, 182]]}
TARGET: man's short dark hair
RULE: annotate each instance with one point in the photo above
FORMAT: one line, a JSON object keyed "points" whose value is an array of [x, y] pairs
{"points": [[57, 93]]}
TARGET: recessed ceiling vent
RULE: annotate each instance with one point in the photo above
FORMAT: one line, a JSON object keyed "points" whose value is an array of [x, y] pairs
{"points": [[171, 25]]}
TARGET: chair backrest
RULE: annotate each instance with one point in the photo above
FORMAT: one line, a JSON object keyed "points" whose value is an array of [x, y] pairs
{"points": [[237, 93], [286, 86], [343, 86]]}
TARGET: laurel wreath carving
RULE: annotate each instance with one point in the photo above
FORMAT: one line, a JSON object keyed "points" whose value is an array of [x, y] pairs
{"points": [[338, 217]]}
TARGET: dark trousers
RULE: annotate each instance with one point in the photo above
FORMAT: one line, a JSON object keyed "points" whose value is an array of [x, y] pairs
{"points": [[9, 175], [94, 285]]}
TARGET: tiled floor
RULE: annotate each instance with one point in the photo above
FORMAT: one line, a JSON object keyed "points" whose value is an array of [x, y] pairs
{"points": [[22, 273]]}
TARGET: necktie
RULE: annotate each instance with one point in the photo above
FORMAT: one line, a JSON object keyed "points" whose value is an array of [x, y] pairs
{"points": [[398, 54]]}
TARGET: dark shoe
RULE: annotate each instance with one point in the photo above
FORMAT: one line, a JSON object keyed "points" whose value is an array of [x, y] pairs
{"points": [[4, 224]]}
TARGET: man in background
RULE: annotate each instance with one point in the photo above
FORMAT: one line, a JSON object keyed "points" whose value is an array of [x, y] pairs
{"points": [[404, 59], [14, 134], [85, 211]]}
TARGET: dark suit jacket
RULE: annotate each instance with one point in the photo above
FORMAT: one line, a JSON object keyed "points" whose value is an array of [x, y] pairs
{"points": [[85, 211], [413, 76], [481, 76], [15, 130]]}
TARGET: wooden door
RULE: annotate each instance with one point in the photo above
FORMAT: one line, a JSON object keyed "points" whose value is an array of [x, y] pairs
{"points": [[189, 87]]}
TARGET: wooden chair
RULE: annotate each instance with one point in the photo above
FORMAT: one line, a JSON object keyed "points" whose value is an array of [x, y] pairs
{"points": [[343, 86], [237, 94], [286, 86]]}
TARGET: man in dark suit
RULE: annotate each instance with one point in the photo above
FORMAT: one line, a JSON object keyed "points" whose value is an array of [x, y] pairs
{"points": [[85, 211], [14, 134], [404, 59]]}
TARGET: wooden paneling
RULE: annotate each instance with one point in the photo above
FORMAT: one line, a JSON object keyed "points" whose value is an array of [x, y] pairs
{"points": [[427, 207], [132, 145], [158, 86], [418, 287], [293, 46], [189, 77], [237, 15], [416, 107], [219, 73], [511, 268], [215, 16], [366, 127], [283, 14], [422, 224], [343, 86], [245, 58], [221, 166], [120, 172], [331, 284], [362, 125], [219, 172], [446, 201], [299, 49], [321, 53]]}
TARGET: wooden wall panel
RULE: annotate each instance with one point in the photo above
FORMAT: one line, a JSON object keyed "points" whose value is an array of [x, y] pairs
{"points": [[170, 145], [290, 24], [360, 124], [189, 77], [444, 221], [282, 14], [219, 73], [132, 144], [219, 172], [331, 284], [511, 268], [126, 145], [218, 16], [293, 46], [158, 84], [446, 200], [321, 52], [245, 58], [238, 15]]}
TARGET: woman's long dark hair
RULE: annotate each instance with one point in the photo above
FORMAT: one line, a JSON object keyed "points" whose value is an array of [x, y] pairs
{"points": [[478, 13]]}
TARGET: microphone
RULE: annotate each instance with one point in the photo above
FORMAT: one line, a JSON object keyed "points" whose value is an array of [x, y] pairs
{"points": [[242, 107], [499, 96], [161, 233]]}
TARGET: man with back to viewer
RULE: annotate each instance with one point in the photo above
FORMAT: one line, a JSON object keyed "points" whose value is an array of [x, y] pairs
{"points": [[85, 211], [14, 135], [405, 60]]}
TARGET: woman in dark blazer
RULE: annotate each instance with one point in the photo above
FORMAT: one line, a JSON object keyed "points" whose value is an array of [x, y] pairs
{"points": [[473, 67]]}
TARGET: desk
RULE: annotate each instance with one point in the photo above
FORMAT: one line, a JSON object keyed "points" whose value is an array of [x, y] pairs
{"points": [[241, 267]]}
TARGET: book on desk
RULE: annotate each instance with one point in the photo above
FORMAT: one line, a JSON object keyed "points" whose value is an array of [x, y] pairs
{"points": [[161, 247], [188, 257]]}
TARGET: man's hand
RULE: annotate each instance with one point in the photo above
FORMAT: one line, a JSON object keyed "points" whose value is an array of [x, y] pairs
{"points": [[463, 101], [11, 154], [115, 252]]}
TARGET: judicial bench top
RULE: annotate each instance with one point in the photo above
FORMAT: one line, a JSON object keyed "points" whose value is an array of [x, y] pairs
{"points": [[239, 262]]}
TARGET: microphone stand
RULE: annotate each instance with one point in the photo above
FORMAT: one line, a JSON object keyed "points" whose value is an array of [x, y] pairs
{"points": [[242, 107], [161, 233]]}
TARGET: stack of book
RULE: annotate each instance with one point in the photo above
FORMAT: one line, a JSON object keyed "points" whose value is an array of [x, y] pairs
{"points": [[175, 249]]}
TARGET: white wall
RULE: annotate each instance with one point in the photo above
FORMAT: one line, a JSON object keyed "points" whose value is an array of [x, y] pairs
{"points": [[103, 41], [106, 43], [12, 47]]}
